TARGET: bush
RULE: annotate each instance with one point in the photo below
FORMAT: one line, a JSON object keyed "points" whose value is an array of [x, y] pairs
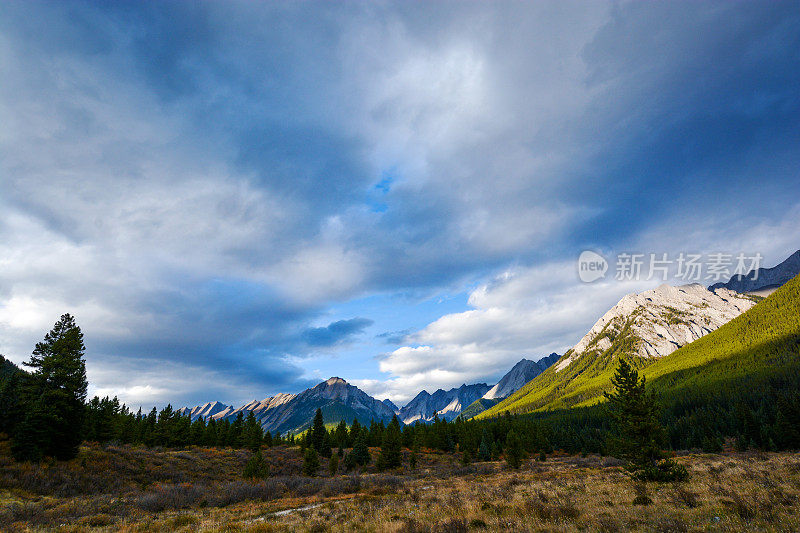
{"points": [[666, 470]]}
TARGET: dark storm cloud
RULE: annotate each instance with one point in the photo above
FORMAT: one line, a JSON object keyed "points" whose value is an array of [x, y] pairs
{"points": [[200, 182], [336, 332]]}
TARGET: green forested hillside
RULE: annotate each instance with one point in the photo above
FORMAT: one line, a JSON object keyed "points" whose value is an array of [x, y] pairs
{"points": [[758, 348], [478, 406]]}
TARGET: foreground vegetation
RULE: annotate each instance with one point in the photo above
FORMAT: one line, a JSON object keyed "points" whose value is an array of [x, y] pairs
{"points": [[132, 488]]}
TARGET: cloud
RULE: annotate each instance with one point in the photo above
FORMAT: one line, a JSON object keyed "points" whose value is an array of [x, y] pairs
{"points": [[394, 337], [533, 311], [521, 313], [336, 332], [201, 184]]}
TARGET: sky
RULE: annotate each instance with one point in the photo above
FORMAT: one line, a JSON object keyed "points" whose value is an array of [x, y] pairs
{"points": [[236, 199]]}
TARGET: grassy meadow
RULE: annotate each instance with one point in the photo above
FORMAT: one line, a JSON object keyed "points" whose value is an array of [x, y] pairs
{"points": [[124, 488]]}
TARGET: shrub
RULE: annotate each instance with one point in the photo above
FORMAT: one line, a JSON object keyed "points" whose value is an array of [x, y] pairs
{"points": [[256, 467]]}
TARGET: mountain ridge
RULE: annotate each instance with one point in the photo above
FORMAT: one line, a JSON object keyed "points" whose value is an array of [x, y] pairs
{"points": [[763, 278], [285, 412]]}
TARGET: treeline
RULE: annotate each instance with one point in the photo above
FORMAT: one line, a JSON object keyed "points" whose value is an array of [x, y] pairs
{"points": [[108, 421]]}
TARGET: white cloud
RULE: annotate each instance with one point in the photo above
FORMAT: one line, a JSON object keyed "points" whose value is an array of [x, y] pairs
{"points": [[524, 312]]}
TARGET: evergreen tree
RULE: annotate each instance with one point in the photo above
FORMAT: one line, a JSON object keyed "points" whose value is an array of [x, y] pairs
{"points": [[236, 431], [514, 451], [210, 435], [360, 451], [333, 464], [484, 450], [326, 449], [256, 467], [310, 462], [638, 434], [10, 396], [390, 456], [355, 431], [466, 457], [316, 436], [496, 451], [787, 421], [253, 434], [54, 396], [198, 431]]}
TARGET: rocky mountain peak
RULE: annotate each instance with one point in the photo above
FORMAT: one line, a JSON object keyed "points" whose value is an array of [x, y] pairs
{"points": [[659, 321]]}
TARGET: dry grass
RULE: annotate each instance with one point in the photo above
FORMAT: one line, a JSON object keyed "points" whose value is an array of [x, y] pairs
{"points": [[200, 490]]}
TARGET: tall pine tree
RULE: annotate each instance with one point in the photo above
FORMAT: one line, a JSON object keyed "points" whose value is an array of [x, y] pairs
{"points": [[390, 456], [637, 433], [54, 396]]}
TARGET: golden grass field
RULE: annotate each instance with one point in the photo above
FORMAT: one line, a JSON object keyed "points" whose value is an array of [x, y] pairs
{"points": [[135, 489]]}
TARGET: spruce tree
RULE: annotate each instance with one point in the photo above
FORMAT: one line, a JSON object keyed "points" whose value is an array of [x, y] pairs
{"points": [[360, 451], [316, 436], [256, 467], [54, 396], [637, 433], [310, 462], [484, 450], [253, 434], [514, 451], [390, 456]]}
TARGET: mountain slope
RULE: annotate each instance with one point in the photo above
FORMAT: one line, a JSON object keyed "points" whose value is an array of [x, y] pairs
{"points": [[759, 345], [448, 404], [764, 278], [642, 328], [338, 400], [478, 406]]}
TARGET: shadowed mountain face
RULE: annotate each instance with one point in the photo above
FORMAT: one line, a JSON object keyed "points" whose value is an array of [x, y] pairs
{"points": [[764, 278], [447, 404], [337, 399], [519, 375], [390, 404]]}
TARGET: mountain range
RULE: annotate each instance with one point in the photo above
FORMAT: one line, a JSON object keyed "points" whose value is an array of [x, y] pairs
{"points": [[515, 379], [283, 413], [341, 400], [764, 279], [644, 328]]}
